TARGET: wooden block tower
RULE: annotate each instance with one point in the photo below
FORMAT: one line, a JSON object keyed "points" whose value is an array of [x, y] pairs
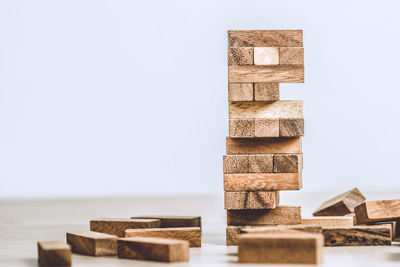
{"points": [[263, 150]]}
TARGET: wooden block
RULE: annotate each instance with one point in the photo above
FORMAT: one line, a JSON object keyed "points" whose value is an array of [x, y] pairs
{"points": [[328, 221], [262, 181], [280, 215], [268, 92], [371, 235], [190, 234], [341, 205], [291, 127], [266, 38], [240, 92], [378, 211], [288, 163], [267, 145], [118, 226], [395, 228], [263, 163], [291, 56], [266, 128], [241, 56], [264, 74], [241, 200], [54, 253], [154, 249], [280, 248], [241, 128], [266, 56], [236, 163], [231, 235], [287, 229], [174, 221], [93, 243]]}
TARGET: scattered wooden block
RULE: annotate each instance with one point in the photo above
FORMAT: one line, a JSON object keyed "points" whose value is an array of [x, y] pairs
{"points": [[341, 205], [251, 200], [155, 249], [328, 221], [236, 163], [283, 229], [240, 56], [371, 235], [174, 221], [266, 128], [118, 226], [268, 92], [267, 145], [291, 127], [378, 211], [241, 128], [291, 56], [266, 56], [263, 74], [54, 253], [240, 92], [190, 234], [262, 163], [280, 215], [262, 181], [278, 38], [280, 248], [288, 163], [93, 243]]}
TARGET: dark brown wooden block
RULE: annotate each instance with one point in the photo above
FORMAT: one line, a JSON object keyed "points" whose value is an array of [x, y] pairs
{"points": [[251, 200], [267, 145], [240, 92], [291, 127], [371, 235], [291, 56], [268, 92], [118, 226], [262, 181], [378, 211], [240, 56], [54, 253], [174, 221], [266, 73], [266, 38], [93, 243], [288, 163]]}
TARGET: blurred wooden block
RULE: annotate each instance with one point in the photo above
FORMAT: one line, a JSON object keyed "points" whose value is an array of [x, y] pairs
{"points": [[93, 243], [241, 128], [378, 211], [174, 221], [190, 234], [288, 163], [262, 163], [263, 74], [283, 109], [395, 228], [266, 128], [54, 253], [240, 92], [232, 233], [251, 200], [279, 38], [266, 56], [341, 205], [268, 92], [280, 215], [291, 127], [236, 163], [371, 235], [154, 249], [283, 229], [240, 56], [118, 226], [291, 56], [262, 181], [301, 248], [328, 221], [267, 145]]}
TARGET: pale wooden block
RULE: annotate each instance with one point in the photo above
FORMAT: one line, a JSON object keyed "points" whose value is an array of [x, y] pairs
{"points": [[288, 163], [266, 55], [93, 243], [174, 221], [239, 128], [266, 128], [291, 56], [118, 226], [283, 229], [53, 253], [378, 211], [236, 163], [261, 163], [266, 38], [268, 92], [240, 200], [291, 127], [267, 145], [240, 92], [263, 74], [240, 56], [262, 181], [280, 215], [329, 221], [371, 235]]}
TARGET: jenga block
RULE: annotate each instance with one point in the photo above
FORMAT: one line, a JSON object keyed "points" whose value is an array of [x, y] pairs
{"points": [[291, 56], [93, 243], [241, 128], [395, 228], [54, 253], [240, 92], [280, 215], [283, 38], [263, 145], [236, 163], [288, 163], [283, 109], [302, 248], [241, 56], [371, 235], [378, 211], [251, 200], [341, 205], [264, 74], [291, 127], [262, 181], [190, 234], [266, 56], [118, 226], [268, 92], [154, 249], [266, 128], [287, 229], [174, 221], [328, 221], [231, 235], [262, 163]]}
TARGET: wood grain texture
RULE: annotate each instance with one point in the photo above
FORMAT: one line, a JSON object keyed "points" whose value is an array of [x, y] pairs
{"points": [[291, 55], [282, 38], [190, 234], [276, 248], [267, 145], [154, 249], [93, 243], [241, 56], [378, 211], [263, 163], [328, 221], [241, 128], [236, 163], [283, 109], [268, 92], [287, 229], [266, 128], [231, 235], [174, 221], [53, 253], [118, 226], [341, 205], [395, 228], [262, 181], [280, 215], [266, 56], [291, 127], [241, 200], [241, 92], [372, 235], [288, 163], [262, 74]]}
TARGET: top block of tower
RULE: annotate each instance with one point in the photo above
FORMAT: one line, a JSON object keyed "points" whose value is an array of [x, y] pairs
{"points": [[272, 38]]}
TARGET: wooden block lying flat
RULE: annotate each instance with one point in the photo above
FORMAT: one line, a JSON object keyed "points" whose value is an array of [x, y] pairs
{"points": [[328, 221], [54, 253], [378, 211], [240, 56], [313, 229], [118, 226], [155, 249], [255, 163], [262, 181], [190, 234], [251, 200], [278, 38], [268, 92], [280, 215], [264, 74], [288, 163], [241, 92], [266, 56], [291, 127], [242, 128], [231, 235], [262, 163], [291, 56], [93, 243], [266, 128], [270, 145], [302, 248], [341, 205], [236, 163], [371, 235], [175, 221], [395, 228]]}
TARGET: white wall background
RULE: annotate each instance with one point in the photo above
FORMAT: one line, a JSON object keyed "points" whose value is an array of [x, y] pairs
{"points": [[103, 98]]}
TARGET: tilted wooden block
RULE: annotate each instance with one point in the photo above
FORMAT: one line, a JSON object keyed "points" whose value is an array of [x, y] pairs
{"points": [[54, 253], [288, 163], [264, 74], [291, 56], [267, 145], [241, 128], [284, 229], [280, 38], [280, 215], [341, 205], [302, 248], [251, 200], [371, 235], [190, 234], [291, 127], [174, 221], [378, 211], [118, 226], [241, 92], [240, 56], [93, 243], [262, 181], [266, 56], [155, 249], [268, 92], [328, 221], [283, 109]]}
